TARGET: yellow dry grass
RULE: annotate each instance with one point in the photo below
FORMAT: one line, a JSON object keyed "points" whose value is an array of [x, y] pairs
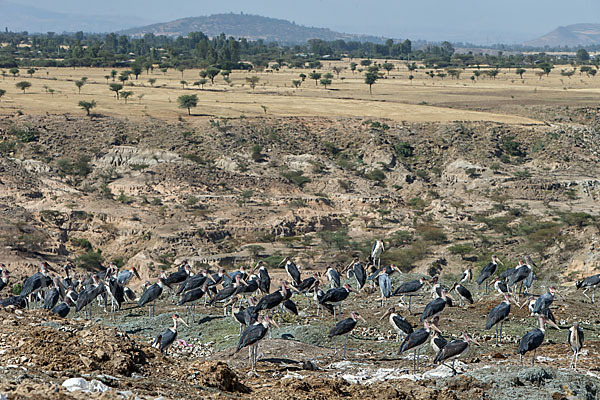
{"points": [[394, 97]]}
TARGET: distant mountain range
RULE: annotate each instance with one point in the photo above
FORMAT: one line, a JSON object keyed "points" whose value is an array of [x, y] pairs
{"points": [[18, 18], [248, 26], [571, 35]]}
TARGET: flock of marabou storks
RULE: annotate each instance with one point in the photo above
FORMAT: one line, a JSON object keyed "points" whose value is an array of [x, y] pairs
{"points": [[109, 289]]}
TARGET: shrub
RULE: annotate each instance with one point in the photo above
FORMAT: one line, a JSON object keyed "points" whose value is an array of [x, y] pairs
{"points": [[91, 261], [404, 150], [295, 177], [461, 249], [84, 243], [375, 175]]}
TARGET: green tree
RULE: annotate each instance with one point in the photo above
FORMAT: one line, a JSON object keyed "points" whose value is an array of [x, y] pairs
{"points": [[325, 82], [107, 77], [14, 72], [303, 77], [79, 85], [388, 66], [365, 63], [202, 82], [370, 79], [152, 81], [520, 72], [115, 87], [353, 66], [87, 105], [183, 83], [126, 95], [136, 69], [211, 72], [31, 71], [113, 74], [2, 92], [252, 81], [410, 78], [328, 75], [123, 76], [582, 56], [23, 85], [315, 76], [296, 83], [181, 68], [188, 101]]}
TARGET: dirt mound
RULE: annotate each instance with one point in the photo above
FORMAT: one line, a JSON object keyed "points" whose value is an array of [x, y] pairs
{"points": [[218, 375]]}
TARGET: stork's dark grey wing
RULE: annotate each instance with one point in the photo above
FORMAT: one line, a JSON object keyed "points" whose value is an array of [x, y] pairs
{"points": [[452, 349], [415, 339], [342, 327], [498, 313]]}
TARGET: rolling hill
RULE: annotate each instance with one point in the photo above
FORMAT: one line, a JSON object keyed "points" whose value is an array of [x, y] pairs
{"points": [[249, 26], [571, 36]]}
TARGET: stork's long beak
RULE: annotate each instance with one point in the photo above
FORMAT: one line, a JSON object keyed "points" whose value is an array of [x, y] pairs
{"points": [[364, 320], [294, 289], [136, 274], [435, 328], [275, 323], [282, 261], [385, 315], [475, 342], [552, 324], [211, 278], [61, 289], [500, 262], [179, 319], [167, 285]]}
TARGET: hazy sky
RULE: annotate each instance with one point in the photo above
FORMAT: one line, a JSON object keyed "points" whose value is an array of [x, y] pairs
{"points": [[481, 21]]}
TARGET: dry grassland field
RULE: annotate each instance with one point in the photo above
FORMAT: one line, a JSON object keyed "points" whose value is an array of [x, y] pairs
{"points": [[447, 172], [424, 99]]}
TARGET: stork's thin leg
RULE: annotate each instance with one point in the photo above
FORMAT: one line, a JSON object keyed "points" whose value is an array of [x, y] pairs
{"points": [[334, 346], [251, 356], [496, 335], [414, 362], [418, 357], [521, 358], [409, 303], [345, 346], [593, 294], [533, 358], [576, 357]]}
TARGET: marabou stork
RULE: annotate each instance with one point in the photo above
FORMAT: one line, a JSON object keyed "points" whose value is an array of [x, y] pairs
{"points": [[251, 336], [385, 286], [532, 340], [247, 316], [289, 306], [68, 281], [500, 286], [227, 292], [359, 273], [272, 300], [409, 288], [520, 274], [575, 340], [488, 271], [231, 277], [317, 296], [435, 307], [166, 339], [463, 293], [125, 276], [467, 276], [180, 275], [546, 312], [152, 294], [335, 297], [52, 295], [193, 282], [4, 279], [437, 341], [543, 302], [589, 283], [307, 284], [62, 309], [15, 301], [89, 294], [376, 250], [292, 271], [453, 350], [191, 296], [398, 323], [415, 340], [497, 316], [333, 277], [344, 327], [37, 281], [264, 280]]}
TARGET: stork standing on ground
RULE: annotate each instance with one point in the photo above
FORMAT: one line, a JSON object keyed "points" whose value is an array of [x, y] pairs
{"points": [[454, 350], [415, 340], [398, 323], [251, 336], [227, 292], [437, 341], [500, 286], [264, 280], [467, 276], [591, 282], [292, 270], [53, 295], [344, 327], [575, 340], [87, 296], [272, 300], [317, 296], [124, 277], [463, 293], [37, 282], [163, 341], [435, 307], [190, 297], [333, 277], [359, 273], [151, 294], [335, 297], [543, 302], [385, 286], [63, 309], [532, 340], [488, 271], [497, 316], [376, 250], [520, 274], [409, 288], [4, 279]]}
